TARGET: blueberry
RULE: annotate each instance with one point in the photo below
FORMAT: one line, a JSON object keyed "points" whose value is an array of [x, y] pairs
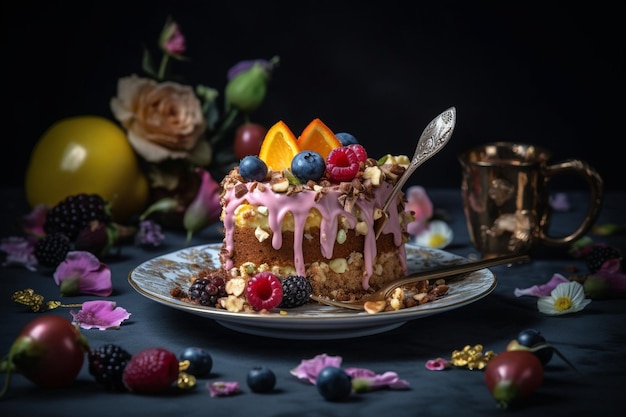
{"points": [[200, 361], [252, 168], [533, 337], [308, 165], [261, 379], [333, 383], [346, 138], [530, 337]]}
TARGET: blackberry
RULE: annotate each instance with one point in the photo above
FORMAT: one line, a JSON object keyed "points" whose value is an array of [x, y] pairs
{"points": [[207, 289], [75, 212], [600, 254], [296, 291], [52, 249], [107, 365]]}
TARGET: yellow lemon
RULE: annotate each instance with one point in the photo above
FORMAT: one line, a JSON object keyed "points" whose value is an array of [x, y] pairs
{"points": [[87, 154]]}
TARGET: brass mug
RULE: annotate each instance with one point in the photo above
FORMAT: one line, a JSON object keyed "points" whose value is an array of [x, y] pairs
{"points": [[506, 189]]}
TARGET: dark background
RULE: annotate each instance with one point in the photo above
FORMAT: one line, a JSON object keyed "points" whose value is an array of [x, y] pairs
{"points": [[549, 75]]}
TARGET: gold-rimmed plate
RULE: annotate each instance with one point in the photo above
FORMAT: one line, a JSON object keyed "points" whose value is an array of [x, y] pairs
{"points": [[156, 277]]}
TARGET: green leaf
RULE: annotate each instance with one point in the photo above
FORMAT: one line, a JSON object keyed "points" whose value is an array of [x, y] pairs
{"points": [[147, 64]]}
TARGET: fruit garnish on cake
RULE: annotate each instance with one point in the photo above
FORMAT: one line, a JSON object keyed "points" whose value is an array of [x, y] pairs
{"points": [[304, 211]]}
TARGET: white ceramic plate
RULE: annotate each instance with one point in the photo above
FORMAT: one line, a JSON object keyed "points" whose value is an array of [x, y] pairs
{"points": [[155, 278]]}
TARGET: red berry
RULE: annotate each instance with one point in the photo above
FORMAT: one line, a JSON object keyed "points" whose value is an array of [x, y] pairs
{"points": [[342, 164], [248, 139], [151, 371], [359, 150], [264, 291]]}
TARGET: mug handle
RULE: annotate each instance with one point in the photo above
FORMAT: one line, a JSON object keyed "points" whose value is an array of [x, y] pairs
{"points": [[596, 197]]}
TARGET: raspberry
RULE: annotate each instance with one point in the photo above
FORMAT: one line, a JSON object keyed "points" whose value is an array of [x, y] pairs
{"points": [[359, 150], [74, 213], [296, 291], [342, 164], [598, 255], [52, 249], [206, 290], [107, 365], [151, 371], [264, 291]]}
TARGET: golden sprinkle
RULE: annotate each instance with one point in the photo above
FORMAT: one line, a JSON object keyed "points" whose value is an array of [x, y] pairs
{"points": [[35, 301], [471, 357], [185, 380]]}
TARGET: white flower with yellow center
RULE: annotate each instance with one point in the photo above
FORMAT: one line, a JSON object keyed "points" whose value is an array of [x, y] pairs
{"points": [[567, 297], [438, 235]]}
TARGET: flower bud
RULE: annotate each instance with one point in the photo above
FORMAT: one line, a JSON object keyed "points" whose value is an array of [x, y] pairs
{"points": [[205, 208], [172, 40], [247, 90]]}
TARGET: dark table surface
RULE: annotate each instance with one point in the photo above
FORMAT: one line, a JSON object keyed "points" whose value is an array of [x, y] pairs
{"points": [[594, 340]]}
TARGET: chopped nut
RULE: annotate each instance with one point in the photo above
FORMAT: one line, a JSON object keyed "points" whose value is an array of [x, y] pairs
{"points": [[341, 236], [338, 265], [240, 190], [280, 185], [247, 269], [260, 234], [361, 228], [373, 307], [236, 286], [373, 174], [232, 303]]}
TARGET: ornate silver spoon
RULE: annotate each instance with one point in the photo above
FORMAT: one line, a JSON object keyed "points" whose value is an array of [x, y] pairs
{"points": [[433, 139]]}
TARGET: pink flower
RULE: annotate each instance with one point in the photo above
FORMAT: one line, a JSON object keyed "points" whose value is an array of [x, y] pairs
{"points": [[421, 207], [365, 380], [20, 252], [438, 364], [222, 388], [102, 315], [205, 208], [542, 290], [82, 273]]}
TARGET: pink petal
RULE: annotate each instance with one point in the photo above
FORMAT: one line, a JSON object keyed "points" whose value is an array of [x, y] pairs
{"points": [[438, 364], [420, 204], [20, 252], [33, 222], [93, 276], [374, 381], [222, 388], [542, 290], [205, 208], [310, 368], [100, 314], [97, 282]]}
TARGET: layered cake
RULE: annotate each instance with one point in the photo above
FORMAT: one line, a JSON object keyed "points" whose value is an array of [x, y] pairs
{"points": [[308, 207], [324, 231]]}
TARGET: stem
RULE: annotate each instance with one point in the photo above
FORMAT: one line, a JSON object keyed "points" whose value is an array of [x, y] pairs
{"points": [[7, 380], [230, 117], [163, 67]]}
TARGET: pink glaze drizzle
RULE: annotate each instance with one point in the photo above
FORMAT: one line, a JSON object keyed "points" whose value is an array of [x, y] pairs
{"points": [[299, 204]]}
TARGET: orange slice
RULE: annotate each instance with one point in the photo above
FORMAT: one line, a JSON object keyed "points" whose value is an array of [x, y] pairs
{"points": [[279, 147], [319, 138]]}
